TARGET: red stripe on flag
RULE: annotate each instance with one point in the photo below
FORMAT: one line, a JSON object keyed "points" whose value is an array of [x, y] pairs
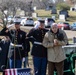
{"points": [[14, 71], [7, 72], [10, 71]]}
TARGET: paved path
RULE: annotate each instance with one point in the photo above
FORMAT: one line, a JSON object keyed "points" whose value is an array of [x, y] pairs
{"points": [[70, 34]]}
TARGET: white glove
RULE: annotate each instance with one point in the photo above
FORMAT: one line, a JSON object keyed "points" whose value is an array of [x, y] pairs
{"points": [[23, 59]]}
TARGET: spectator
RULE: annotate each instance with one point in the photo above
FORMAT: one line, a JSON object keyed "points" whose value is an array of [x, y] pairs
{"points": [[54, 39]]}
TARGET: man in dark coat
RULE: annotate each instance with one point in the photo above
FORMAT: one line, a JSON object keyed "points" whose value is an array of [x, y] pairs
{"points": [[39, 52]]}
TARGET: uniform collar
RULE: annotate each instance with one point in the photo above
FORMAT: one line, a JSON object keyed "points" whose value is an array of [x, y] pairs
{"points": [[18, 30]]}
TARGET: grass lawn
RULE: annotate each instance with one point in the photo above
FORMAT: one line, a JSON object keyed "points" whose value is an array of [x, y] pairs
{"points": [[43, 13]]}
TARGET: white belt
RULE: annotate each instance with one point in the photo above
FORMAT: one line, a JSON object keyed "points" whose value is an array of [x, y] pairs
{"points": [[39, 43], [15, 45]]}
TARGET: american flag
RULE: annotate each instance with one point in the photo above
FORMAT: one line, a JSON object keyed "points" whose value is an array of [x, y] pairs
{"points": [[25, 71]]}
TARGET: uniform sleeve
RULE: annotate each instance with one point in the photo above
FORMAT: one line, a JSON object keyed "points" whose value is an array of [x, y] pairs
{"points": [[11, 34], [31, 33], [24, 51], [23, 41], [27, 45], [27, 48], [4, 33], [46, 43], [30, 36]]}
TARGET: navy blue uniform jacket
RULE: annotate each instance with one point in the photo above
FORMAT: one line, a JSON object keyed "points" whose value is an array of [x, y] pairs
{"points": [[19, 38], [37, 35]]}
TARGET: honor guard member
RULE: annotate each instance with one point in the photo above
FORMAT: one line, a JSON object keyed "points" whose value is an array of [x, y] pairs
{"points": [[39, 52], [18, 48]]}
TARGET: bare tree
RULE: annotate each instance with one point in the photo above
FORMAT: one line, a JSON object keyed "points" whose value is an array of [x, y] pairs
{"points": [[72, 2], [3, 8], [11, 6]]}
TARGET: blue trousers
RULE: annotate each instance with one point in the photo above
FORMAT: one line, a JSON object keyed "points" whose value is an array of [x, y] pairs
{"points": [[40, 65], [15, 64]]}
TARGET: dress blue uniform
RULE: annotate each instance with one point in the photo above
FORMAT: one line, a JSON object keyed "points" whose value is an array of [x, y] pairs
{"points": [[39, 52], [16, 53], [19, 52]]}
